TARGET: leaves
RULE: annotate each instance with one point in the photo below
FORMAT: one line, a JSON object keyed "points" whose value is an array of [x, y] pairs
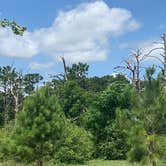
{"points": [[17, 29]]}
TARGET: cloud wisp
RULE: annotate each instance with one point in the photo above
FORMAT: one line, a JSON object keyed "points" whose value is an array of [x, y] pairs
{"points": [[40, 66]]}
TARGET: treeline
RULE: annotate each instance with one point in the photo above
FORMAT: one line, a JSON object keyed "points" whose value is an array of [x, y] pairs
{"points": [[74, 118]]}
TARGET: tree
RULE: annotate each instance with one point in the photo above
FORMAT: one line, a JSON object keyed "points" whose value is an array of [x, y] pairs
{"points": [[77, 71], [40, 125], [100, 121], [98, 84], [164, 62], [74, 100], [13, 86], [76, 147], [44, 133], [29, 81], [8, 75], [147, 132], [133, 64]]}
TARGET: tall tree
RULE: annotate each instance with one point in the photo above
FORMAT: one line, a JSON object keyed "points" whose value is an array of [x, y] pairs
{"points": [[39, 125], [44, 133], [134, 64], [30, 80], [7, 77], [164, 61], [147, 115]]}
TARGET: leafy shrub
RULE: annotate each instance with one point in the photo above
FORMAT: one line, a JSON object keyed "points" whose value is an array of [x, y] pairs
{"points": [[76, 147], [7, 144]]}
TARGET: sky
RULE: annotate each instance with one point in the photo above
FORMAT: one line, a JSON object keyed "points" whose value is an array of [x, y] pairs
{"points": [[98, 32]]}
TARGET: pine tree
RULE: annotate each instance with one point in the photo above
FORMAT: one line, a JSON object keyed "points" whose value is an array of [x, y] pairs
{"points": [[147, 130], [40, 125]]}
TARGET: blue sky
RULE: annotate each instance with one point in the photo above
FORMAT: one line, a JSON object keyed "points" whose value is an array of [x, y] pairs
{"points": [[132, 23]]}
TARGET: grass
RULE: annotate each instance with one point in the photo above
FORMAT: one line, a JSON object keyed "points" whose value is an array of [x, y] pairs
{"points": [[91, 163]]}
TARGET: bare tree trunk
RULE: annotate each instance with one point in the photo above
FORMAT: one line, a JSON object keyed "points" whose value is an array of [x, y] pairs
{"points": [[154, 163], [65, 68], [16, 103], [5, 118], [16, 109], [137, 58], [133, 78], [164, 39]]}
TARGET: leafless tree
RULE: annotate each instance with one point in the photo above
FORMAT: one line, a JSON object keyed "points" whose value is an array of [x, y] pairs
{"points": [[161, 57], [16, 89], [164, 60], [130, 66], [133, 64], [61, 76], [65, 68]]}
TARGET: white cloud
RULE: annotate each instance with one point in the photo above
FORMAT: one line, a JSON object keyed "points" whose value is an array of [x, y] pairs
{"points": [[17, 46], [152, 47], [40, 66], [80, 34], [156, 46]]}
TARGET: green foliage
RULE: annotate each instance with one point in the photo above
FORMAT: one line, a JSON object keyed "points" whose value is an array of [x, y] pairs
{"points": [[17, 29], [7, 144], [30, 80], [110, 142], [40, 125], [44, 133], [98, 84], [14, 85], [148, 125], [9, 82], [77, 146], [72, 121], [103, 113], [77, 71], [115, 147], [74, 100]]}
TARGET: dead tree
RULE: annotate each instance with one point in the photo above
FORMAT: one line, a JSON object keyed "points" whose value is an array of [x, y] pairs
{"points": [[61, 76], [134, 64], [161, 57], [16, 90], [164, 60], [128, 65], [65, 68]]}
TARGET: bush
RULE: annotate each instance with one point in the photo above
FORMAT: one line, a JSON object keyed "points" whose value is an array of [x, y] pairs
{"points": [[76, 147], [115, 147], [7, 144]]}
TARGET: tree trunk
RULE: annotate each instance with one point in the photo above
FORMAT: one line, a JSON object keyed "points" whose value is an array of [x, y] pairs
{"points": [[138, 71], [5, 118], [41, 163], [16, 110], [154, 163], [65, 68], [134, 78], [164, 39]]}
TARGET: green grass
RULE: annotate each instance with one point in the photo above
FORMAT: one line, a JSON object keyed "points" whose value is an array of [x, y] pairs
{"points": [[91, 163]]}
